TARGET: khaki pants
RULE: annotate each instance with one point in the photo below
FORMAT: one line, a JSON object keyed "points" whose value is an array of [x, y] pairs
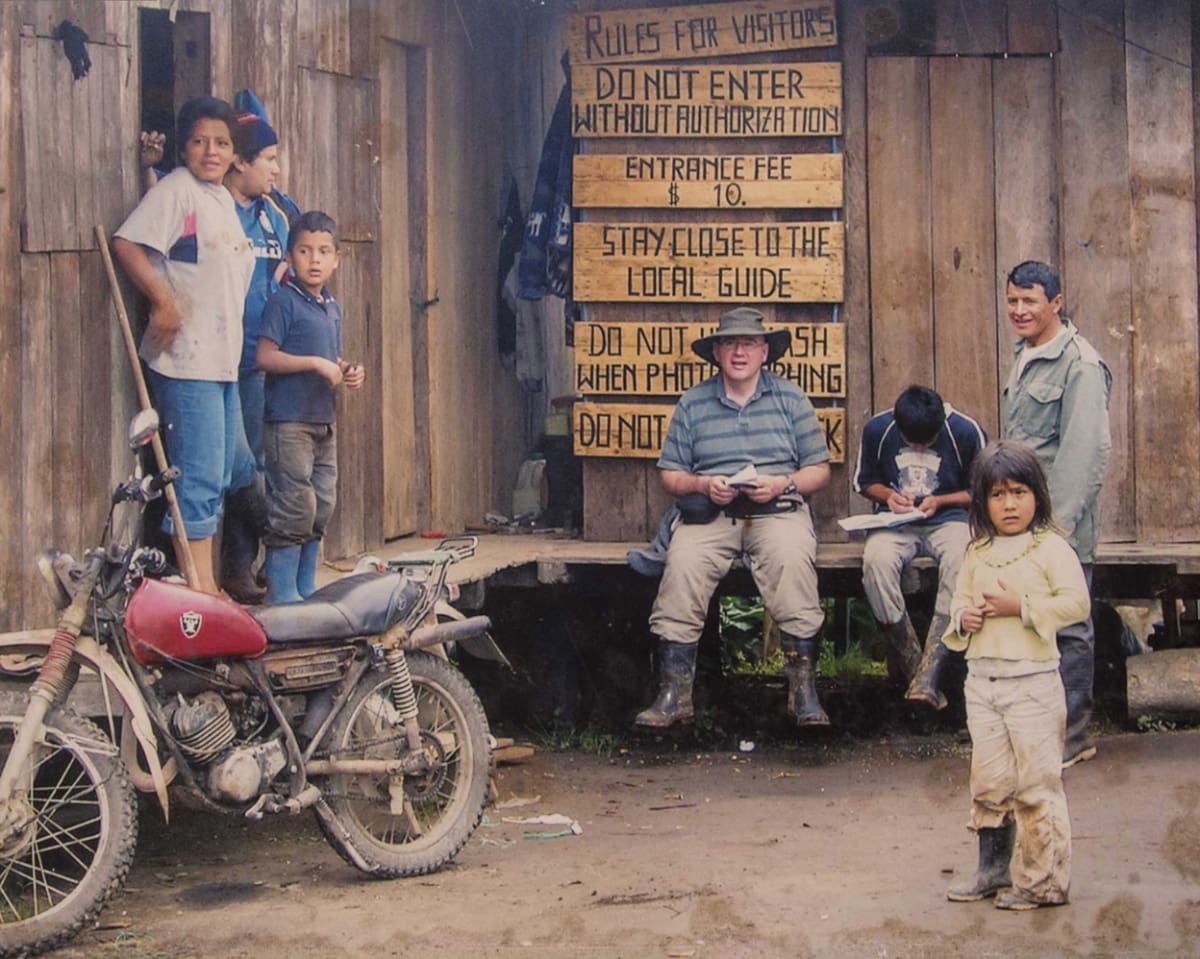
{"points": [[781, 550], [888, 551], [1017, 727]]}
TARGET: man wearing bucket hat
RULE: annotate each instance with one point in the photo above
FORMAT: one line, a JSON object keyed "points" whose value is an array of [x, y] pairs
{"points": [[743, 423]]}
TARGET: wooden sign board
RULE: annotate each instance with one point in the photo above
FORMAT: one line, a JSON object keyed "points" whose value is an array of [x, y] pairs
{"points": [[638, 431], [796, 262], [732, 181], [705, 30], [656, 359], [711, 100]]}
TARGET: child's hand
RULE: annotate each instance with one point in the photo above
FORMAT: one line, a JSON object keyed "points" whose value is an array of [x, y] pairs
{"points": [[971, 619], [150, 147], [328, 369], [1001, 601], [900, 502], [353, 375]]}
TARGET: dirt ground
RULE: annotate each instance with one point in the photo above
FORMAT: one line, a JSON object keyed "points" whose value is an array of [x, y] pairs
{"points": [[830, 849]]}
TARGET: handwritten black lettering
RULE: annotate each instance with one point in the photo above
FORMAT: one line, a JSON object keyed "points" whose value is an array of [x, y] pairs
{"points": [[659, 340], [605, 339], [754, 283], [604, 41]]}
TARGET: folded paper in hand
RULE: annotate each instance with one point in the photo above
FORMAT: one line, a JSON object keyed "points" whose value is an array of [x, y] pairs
{"points": [[745, 476], [884, 520]]}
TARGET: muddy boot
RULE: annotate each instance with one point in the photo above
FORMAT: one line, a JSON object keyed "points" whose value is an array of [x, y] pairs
{"points": [[676, 673], [245, 514], [800, 668], [995, 854], [924, 685], [907, 645]]}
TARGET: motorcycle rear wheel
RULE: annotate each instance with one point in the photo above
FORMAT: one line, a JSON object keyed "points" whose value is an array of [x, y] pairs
{"points": [[447, 802], [72, 855]]}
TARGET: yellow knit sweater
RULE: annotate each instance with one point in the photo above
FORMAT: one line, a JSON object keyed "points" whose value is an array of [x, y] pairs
{"points": [[1043, 568]]}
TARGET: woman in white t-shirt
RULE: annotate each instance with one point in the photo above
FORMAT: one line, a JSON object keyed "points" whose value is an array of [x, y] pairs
{"points": [[185, 249]]}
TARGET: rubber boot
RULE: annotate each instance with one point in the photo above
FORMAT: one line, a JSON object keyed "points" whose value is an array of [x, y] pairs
{"points": [[1077, 666], [924, 685], [907, 645], [676, 673], [800, 668], [282, 565], [306, 573], [245, 513], [995, 854]]}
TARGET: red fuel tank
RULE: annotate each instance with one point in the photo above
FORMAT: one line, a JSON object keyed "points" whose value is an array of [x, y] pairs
{"points": [[169, 621]]}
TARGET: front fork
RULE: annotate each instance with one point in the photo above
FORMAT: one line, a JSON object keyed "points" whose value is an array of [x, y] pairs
{"points": [[52, 681]]}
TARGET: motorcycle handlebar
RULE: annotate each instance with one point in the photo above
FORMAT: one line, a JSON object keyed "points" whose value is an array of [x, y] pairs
{"points": [[153, 485], [146, 488]]}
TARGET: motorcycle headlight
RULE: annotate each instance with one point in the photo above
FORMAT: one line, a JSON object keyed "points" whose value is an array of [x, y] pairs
{"points": [[48, 565]]}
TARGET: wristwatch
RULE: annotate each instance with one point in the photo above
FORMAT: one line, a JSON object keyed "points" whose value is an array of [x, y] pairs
{"points": [[789, 489]]}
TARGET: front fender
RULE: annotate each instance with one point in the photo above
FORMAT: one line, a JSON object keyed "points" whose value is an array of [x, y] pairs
{"points": [[34, 642]]}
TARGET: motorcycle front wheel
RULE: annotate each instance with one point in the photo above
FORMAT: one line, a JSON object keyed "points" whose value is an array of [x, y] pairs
{"points": [[69, 834], [377, 828]]}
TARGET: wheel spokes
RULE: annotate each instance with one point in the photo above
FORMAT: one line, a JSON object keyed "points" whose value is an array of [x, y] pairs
{"points": [[374, 726], [66, 828]]}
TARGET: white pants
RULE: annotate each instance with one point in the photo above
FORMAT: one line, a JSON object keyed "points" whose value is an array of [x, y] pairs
{"points": [[1017, 728]]}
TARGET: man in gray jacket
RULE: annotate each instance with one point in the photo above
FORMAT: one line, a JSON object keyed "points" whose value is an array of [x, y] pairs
{"points": [[1056, 401]]}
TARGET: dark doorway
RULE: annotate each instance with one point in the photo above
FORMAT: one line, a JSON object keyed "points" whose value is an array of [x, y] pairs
{"points": [[176, 64]]}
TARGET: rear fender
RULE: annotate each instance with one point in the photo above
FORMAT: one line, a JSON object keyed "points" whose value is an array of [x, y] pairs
{"points": [[35, 642], [473, 634]]}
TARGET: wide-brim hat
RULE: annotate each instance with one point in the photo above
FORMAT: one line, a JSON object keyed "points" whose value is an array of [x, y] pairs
{"points": [[743, 321]]}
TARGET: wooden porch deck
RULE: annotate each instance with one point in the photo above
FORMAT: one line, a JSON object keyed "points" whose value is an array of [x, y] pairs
{"points": [[1125, 570]]}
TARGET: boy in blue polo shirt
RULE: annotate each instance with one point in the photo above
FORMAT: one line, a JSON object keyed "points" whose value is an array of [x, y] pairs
{"points": [[299, 348]]}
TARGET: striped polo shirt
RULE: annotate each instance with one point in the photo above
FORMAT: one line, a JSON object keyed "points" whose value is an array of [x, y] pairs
{"points": [[777, 430]]}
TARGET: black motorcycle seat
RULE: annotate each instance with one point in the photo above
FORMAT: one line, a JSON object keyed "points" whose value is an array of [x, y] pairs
{"points": [[361, 605]]}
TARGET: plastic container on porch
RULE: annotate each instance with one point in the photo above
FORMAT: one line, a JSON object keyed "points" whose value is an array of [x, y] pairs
{"points": [[532, 491]]}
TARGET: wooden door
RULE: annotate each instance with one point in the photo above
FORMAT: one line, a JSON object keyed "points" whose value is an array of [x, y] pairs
{"points": [[405, 470]]}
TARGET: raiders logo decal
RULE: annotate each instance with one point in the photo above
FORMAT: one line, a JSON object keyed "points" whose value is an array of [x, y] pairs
{"points": [[190, 622]]}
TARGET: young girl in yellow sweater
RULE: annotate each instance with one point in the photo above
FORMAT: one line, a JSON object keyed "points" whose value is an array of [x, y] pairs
{"points": [[1020, 583]]}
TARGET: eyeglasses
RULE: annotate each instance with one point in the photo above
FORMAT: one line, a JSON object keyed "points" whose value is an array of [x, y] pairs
{"points": [[746, 343]]}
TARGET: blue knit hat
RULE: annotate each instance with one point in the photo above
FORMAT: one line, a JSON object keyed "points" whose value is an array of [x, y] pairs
{"points": [[254, 133]]}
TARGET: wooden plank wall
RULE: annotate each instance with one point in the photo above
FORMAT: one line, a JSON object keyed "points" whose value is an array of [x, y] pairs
{"points": [[623, 499], [974, 149], [314, 64], [14, 565], [1090, 161], [1086, 160], [1095, 220], [1163, 193]]}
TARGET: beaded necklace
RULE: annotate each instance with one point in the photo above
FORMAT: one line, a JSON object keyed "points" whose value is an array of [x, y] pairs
{"points": [[1035, 540]]}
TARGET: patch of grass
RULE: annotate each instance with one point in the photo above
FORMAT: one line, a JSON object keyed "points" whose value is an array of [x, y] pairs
{"points": [[855, 663], [588, 741], [1155, 724], [741, 626]]}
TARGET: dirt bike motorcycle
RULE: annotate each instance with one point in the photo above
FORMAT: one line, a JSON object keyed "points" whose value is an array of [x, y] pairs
{"points": [[339, 704]]}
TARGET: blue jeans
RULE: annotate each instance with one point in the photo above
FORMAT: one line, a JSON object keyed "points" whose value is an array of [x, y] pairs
{"points": [[301, 481], [205, 438], [252, 389]]}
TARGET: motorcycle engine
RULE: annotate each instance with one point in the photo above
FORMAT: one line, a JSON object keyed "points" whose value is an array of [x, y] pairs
{"points": [[205, 731]]}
